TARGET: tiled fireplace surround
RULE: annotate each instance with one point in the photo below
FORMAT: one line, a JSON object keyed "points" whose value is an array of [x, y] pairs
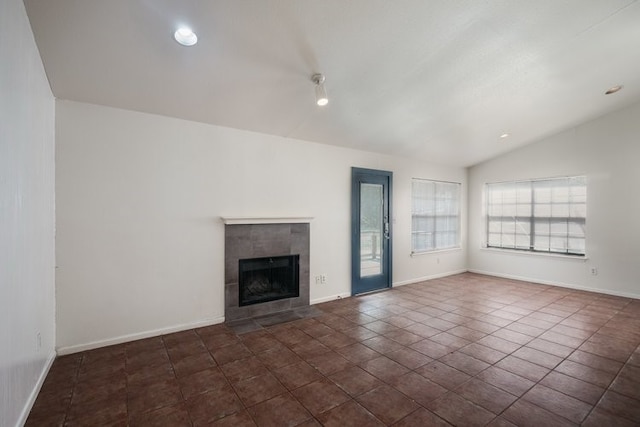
{"points": [[255, 240]]}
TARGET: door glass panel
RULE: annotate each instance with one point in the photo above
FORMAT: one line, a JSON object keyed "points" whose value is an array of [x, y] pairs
{"points": [[371, 229]]}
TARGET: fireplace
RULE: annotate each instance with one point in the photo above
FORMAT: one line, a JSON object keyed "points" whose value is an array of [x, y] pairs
{"points": [[268, 279], [269, 258]]}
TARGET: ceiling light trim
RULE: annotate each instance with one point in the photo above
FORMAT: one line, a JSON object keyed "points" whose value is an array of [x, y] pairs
{"points": [[185, 36]]}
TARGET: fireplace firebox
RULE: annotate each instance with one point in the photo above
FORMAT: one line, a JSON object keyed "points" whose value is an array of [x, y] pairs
{"points": [[268, 279]]}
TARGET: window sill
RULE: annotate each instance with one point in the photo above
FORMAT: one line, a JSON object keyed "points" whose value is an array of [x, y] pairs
{"points": [[437, 251], [537, 254]]}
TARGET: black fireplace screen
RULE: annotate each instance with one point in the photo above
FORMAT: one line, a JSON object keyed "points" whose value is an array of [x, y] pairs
{"points": [[268, 279]]}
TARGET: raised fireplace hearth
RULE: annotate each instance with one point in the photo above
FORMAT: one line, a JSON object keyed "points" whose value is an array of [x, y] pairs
{"points": [[266, 266]]}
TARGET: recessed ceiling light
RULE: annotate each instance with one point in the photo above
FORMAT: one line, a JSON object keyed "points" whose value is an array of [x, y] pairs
{"points": [[613, 89], [185, 36], [504, 135]]}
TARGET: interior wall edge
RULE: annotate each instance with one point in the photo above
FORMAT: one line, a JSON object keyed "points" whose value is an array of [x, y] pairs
{"points": [[214, 321], [22, 419], [138, 336], [574, 286], [430, 277]]}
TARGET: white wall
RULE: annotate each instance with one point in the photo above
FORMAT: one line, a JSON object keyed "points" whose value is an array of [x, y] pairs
{"points": [[27, 295], [607, 151], [140, 246]]}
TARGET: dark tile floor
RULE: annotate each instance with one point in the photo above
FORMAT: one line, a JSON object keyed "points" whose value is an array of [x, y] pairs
{"points": [[465, 350]]}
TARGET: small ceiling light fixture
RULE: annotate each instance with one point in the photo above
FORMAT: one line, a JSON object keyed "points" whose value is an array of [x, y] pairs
{"points": [[321, 93], [613, 89], [185, 36], [504, 136]]}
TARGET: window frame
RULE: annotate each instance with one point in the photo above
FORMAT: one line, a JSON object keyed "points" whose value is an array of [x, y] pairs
{"points": [[531, 221], [457, 217]]}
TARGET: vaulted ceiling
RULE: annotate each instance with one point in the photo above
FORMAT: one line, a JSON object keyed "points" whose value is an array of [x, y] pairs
{"points": [[439, 80]]}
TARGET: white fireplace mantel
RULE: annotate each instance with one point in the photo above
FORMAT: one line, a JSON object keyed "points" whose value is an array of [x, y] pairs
{"points": [[241, 220]]}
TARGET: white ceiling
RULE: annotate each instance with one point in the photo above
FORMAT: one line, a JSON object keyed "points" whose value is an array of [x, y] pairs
{"points": [[439, 80]]}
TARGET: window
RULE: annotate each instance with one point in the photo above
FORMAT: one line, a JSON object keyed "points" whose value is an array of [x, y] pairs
{"points": [[546, 215], [435, 215]]}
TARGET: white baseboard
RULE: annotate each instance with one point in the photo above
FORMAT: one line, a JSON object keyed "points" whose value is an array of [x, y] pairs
{"points": [[137, 336], [430, 277], [556, 283], [330, 298], [36, 389]]}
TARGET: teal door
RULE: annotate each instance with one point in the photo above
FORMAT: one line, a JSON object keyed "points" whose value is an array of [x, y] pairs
{"points": [[370, 230]]}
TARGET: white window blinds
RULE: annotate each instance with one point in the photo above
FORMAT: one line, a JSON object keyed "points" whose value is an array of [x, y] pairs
{"points": [[435, 215], [546, 215]]}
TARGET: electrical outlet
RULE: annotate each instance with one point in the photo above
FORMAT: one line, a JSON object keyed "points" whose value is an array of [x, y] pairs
{"points": [[323, 279], [318, 280], [38, 341], [594, 271]]}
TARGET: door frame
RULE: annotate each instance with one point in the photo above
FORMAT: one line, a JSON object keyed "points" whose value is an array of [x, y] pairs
{"points": [[358, 176]]}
